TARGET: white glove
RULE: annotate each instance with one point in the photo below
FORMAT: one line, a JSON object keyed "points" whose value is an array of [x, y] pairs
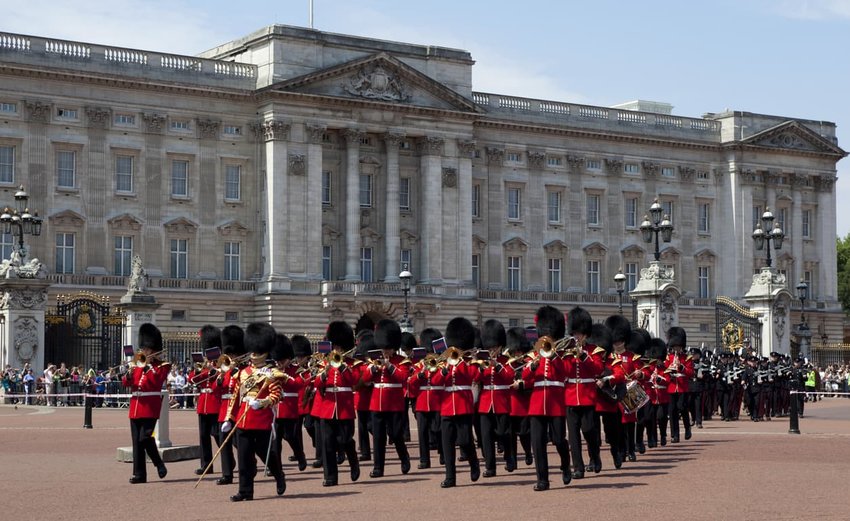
{"points": [[226, 426], [256, 404]]}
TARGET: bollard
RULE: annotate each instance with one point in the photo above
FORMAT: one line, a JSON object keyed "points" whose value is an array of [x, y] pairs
{"points": [[794, 418], [87, 415]]}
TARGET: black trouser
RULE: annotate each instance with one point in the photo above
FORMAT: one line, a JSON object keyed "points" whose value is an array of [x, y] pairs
{"points": [[695, 401], [227, 461], [141, 432], [428, 428], [640, 426], [581, 420], [457, 430], [388, 423], [314, 429], [656, 421], [207, 428], [541, 426], [629, 433], [612, 424], [520, 428], [337, 435], [251, 444], [727, 401], [364, 430], [679, 409], [753, 403], [494, 427], [289, 429]]}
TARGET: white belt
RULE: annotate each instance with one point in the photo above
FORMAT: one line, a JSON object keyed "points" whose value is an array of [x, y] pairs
{"points": [[495, 387], [140, 393], [678, 375], [455, 388], [289, 395], [548, 383], [338, 389], [581, 380], [387, 386], [659, 387], [432, 388], [226, 396], [206, 390]]}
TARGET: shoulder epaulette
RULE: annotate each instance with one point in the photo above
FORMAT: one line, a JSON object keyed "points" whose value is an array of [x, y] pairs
{"points": [[598, 350]]}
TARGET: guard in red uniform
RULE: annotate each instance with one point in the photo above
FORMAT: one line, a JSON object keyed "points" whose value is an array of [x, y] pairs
{"points": [[287, 418], [145, 382], [232, 339], [638, 344], [494, 402], [680, 367], [456, 409], [518, 346], [659, 400], [251, 412], [363, 393], [622, 339], [335, 385], [611, 387], [388, 376], [582, 369], [209, 393], [546, 374], [428, 399]]}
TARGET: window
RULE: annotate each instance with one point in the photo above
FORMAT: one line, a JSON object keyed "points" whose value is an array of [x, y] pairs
{"points": [[65, 113], [554, 275], [365, 141], [553, 161], [180, 178], [404, 260], [593, 164], [231, 316], [232, 261], [7, 164], [807, 222], [476, 270], [703, 282], [668, 209], [404, 193], [123, 255], [64, 253], [631, 273], [554, 200], [807, 278], [756, 216], [178, 314], [366, 264], [180, 124], [593, 209], [702, 175], [9, 108], [233, 182], [326, 263], [404, 145], [781, 220], [514, 202], [66, 166], [365, 191], [232, 130], [7, 244], [631, 212], [593, 276], [124, 120], [179, 258], [514, 273], [124, 173], [512, 157], [631, 168], [326, 188], [667, 171], [476, 201], [704, 218]]}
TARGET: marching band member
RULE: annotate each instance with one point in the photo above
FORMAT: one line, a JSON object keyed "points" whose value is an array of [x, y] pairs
{"points": [[428, 397], [288, 419], [659, 400], [145, 382], [456, 408], [546, 374], [623, 340], [232, 339], [638, 344], [209, 393], [681, 368], [303, 350], [494, 402], [610, 386], [518, 347], [363, 393], [251, 412], [387, 402]]}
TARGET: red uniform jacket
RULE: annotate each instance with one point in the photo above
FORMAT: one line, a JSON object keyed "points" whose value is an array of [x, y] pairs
{"points": [[581, 378], [290, 394], [614, 375], [657, 389], [145, 385], [335, 393], [387, 385], [681, 370], [630, 363], [253, 383], [209, 392], [363, 387], [547, 386], [225, 383], [496, 389], [457, 380], [428, 395]]}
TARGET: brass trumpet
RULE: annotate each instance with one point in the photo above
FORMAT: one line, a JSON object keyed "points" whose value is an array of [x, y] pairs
{"points": [[225, 362], [432, 363], [142, 360]]}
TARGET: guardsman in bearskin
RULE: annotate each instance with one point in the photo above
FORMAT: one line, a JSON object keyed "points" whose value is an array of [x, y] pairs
{"points": [[696, 386], [752, 387], [494, 402], [680, 367], [623, 341], [546, 374], [610, 389], [145, 382], [659, 400], [335, 386], [457, 376], [388, 375], [363, 392], [428, 399], [582, 369], [209, 393], [519, 346], [256, 392], [232, 340], [288, 418]]}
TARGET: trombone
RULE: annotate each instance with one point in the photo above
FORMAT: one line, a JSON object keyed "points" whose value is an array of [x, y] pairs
{"points": [[142, 360], [225, 362]]}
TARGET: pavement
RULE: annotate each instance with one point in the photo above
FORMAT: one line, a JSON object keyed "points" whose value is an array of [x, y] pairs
{"points": [[53, 469]]}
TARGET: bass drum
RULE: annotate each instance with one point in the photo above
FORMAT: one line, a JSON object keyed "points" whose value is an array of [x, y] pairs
{"points": [[635, 397]]}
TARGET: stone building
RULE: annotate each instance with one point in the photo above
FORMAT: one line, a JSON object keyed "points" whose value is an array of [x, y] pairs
{"points": [[288, 175]]}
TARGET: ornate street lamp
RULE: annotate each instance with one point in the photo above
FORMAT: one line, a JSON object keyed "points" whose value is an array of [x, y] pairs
{"points": [[767, 233], [802, 294], [19, 221], [620, 281], [405, 277], [654, 225]]}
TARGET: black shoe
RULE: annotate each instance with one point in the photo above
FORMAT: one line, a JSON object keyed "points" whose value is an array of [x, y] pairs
{"points": [[162, 471], [198, 472], [618, 461], [224, 481], [699, 426], [474, 473], [293, 458], [136, 479], [632, 457], [302, 464], [422, 465], [674, 439], [510, 466], [663, 441], [597, 465], [447, 483], [317, 464], [281, 485], [488, 473], [405, 465], [376, 473], [578, 474], [588, 467], [365, 457], [529, 459], [642, 448], [340, 458], [329, 483], [462, 458], [688, 434], [442, 460], [239, 496], [566, 476], [651, 444], [540, 486]]}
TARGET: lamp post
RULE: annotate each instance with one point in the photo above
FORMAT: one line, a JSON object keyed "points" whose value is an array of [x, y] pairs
{"points": [[767, 233], [405, 277], [19, 221], [620, 281], [656, 224], [803, 294]]}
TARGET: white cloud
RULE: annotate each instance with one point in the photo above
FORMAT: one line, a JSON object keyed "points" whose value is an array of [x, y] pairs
{"points": [[813, 9]]}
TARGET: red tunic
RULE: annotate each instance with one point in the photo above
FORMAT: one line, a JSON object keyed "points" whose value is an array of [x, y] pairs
{"points": [[387, 385], [630, 363], [547, 386], [657, 389], [681, 369], [363, 387], [291, 388], [209, 392], [581, 379], [335, 394], [614, 375], [496, 389], [457, 380], [253, 383], [225, 383], [145, 385], [428, 395]]}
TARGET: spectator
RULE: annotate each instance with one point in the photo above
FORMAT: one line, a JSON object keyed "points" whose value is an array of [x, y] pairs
{"points": [[50, 384], [29, 387]]}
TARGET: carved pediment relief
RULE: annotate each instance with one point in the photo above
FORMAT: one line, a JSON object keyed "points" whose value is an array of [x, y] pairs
{"points": [[705, 255], [515, 246], [478, 244], [125, 223], [369, 237], [555, 248], [233, 228], [794, 136], [329, 234], [670, 254], [633, 252], [785, 259], [595, 249], [181, 226], [408, 239], [67, 218]]}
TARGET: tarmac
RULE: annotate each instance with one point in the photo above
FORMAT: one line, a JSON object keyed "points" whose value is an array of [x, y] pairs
{"points": [[52, 469]]}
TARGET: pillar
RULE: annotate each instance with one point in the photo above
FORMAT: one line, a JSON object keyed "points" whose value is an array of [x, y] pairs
{"points": [[431, 149], [22, 310], [769, 298], [657, 299], [465, 149], [352, 204], [314, 201], [391, 228], [275, 133]]}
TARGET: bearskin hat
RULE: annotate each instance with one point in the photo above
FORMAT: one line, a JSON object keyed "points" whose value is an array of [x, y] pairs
{"points": [[676, 337], [301, 346], [620, 328], [516, 341], [408, 341], [150, 337], [657, 349], [580, 322], [639, 341], [460, 333], [600, 336], [428, 335], [210, 336], [340, 335], [233, 340], [260, 338], [387, 334], [493, 334], [550, 322], [282, 348]]}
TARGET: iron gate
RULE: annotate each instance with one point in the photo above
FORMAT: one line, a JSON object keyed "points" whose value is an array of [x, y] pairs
{"points": [[84, 330], [736, 325]]}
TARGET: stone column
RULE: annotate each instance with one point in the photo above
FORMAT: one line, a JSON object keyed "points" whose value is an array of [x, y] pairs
{"points": [[465, 149], [495, 215], [96, 186], [536, 221], [657, 299], [796, 233], [22, 303], [275, 134], [352, 204], [771, 300], [827, 287], [431, 149], [314, 201], [393, 243]]}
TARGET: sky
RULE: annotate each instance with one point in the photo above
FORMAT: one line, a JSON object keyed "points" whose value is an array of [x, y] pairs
{"points": [[778, 57]]}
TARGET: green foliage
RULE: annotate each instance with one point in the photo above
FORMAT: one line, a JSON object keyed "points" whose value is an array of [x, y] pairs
{"points": [[843, 248]]}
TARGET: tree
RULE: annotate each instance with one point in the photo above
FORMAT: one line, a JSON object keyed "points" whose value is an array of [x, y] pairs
{"points": [[843, 249]]}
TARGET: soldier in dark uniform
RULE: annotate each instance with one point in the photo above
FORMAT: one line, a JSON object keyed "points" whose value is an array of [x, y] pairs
{"points": [[752, 386], [797, 382], [730, 378], [696, 386]]}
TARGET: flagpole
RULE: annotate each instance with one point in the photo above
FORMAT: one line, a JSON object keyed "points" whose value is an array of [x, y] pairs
{"points": [[311, 14]]}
